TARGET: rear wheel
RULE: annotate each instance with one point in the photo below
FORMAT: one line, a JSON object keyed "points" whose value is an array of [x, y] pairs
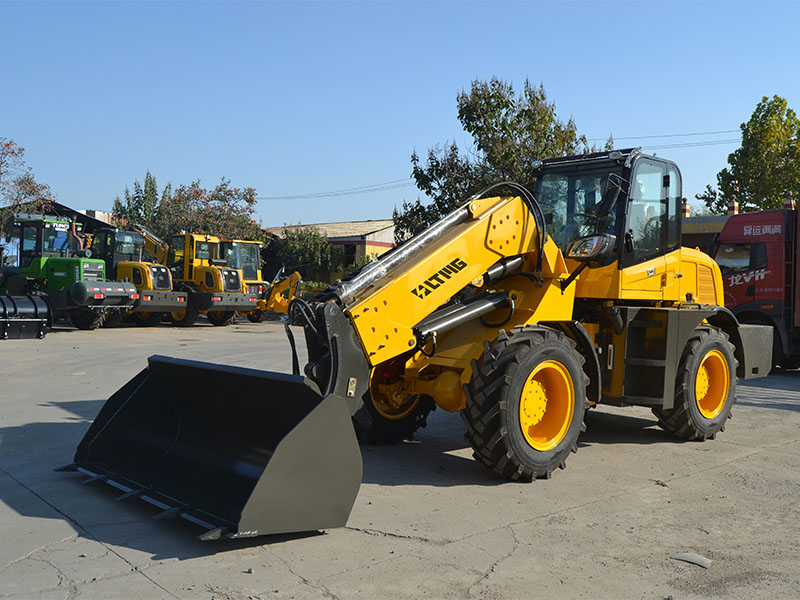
{"points": [[705, 387], [86, 318], [255, 316], [113, 318], [526, 402], [147, 319], [221, 318]]}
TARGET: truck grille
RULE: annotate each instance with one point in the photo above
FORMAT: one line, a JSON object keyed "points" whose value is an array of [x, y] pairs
{"points": [[231, 281], [93, 271], [161, 278]]}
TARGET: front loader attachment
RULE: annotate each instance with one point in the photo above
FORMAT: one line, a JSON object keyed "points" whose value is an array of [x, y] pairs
{"points": [[241, 452]]}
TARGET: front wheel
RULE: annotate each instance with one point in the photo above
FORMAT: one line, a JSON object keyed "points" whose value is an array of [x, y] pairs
{"points": [[221, 318], [184, 318], [705, 387], [389, 415], [526, 402]]}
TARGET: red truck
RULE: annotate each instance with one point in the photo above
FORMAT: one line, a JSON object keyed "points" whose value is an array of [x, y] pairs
{"points": [[758, 256]]}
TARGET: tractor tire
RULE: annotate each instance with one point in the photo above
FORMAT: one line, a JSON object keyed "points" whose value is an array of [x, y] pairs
{"points": [[147, 319], [705, 386], [86, 318], [221, 318], [526, 402], [113, 319], [255, 316], [374, 424], [185, 318]]}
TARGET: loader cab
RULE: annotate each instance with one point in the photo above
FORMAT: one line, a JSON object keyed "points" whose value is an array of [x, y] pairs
{"points": [[188, 251], [116, 246], [642, 225], [42, 237], [244, 255]]}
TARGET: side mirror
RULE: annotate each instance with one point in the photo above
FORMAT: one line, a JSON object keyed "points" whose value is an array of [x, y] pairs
{"points": [[613, 188], [592, 248]]}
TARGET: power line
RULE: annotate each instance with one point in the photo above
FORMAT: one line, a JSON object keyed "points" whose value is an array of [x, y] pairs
{"points": [[397, 184], [364, 189], [666, 135], [694, 144]]}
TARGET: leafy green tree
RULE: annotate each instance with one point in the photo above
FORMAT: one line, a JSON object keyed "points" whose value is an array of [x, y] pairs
{"points": [[766, 166], [509, 131], [18, 185], [302, 247], [224, 211]]}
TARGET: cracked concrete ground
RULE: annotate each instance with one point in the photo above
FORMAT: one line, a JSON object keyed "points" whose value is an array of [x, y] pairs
{"points": [[429, 522]]}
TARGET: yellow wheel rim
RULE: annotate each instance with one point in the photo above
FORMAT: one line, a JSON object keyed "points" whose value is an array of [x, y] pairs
{"points": [[546, 405], [394, 408], [178, 315], [711, 384]]}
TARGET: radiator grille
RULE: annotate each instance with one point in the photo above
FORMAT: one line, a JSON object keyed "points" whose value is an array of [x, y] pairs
{"points": [[161, 278], [705, 286], [93, 271], [231, 280]]}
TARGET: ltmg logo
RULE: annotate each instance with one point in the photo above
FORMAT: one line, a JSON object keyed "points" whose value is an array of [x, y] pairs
{"points": [[439, 278]]}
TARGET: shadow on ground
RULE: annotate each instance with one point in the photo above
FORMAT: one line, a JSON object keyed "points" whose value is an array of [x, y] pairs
{"points": [[438, 457]]}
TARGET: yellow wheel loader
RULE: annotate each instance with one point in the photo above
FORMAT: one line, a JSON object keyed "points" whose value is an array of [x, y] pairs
{"points": [[519, 312], [213, 288], [245, 255]]}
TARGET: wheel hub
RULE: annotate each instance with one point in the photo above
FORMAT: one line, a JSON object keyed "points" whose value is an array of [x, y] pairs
{"points": [[547, 404], [712, 384]]}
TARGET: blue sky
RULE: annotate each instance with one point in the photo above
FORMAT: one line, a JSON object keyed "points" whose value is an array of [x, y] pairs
{"points": [[308, 97]]}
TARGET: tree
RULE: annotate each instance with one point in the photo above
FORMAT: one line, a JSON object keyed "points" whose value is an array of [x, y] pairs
{"points": [[766, 166], [17, 184], [509, 132], [224, 211]]}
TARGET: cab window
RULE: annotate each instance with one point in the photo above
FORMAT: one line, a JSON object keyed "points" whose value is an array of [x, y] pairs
{"points": [[648, 212]]}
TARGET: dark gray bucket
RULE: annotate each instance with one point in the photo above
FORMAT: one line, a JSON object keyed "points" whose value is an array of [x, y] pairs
{"points": [[239, 451]]}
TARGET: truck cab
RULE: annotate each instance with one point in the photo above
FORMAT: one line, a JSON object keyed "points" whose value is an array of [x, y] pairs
{"points": [[757, 254]]}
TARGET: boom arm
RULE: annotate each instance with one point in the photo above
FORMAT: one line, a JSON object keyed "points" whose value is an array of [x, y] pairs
{"points": [[154, 245], [387, 302]]}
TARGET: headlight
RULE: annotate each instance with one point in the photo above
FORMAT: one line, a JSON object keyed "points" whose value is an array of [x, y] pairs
{"points": [[593, 247]]}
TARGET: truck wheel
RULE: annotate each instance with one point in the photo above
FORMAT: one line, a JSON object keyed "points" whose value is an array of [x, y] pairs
{"points": [[86, 318], [221, 318], [526, 402], [113, 319], [184, 318], [705, 387], [385, 420], [255, 316], [147, 319]]}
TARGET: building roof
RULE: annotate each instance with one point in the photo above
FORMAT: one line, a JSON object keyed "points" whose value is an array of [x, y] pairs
{"points": [[340, 229]]}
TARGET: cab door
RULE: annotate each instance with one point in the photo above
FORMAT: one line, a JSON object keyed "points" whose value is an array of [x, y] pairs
{"points": [[651, 255]]}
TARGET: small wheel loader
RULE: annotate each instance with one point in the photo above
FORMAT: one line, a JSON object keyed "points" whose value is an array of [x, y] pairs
{"points": [[245, 255], [520, 312], [212, 287], [124, 255]]}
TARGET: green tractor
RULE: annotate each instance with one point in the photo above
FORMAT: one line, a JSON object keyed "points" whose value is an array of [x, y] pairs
{"points": [[52, 261]]}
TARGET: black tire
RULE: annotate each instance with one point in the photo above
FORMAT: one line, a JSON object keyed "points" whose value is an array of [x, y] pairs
{"points": [[147, 319], [255, 316], [185, 318], [702, 406], [372, 427], [113, 318], [495, 402], [221, 318], [386, 421], [86, 318]]}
